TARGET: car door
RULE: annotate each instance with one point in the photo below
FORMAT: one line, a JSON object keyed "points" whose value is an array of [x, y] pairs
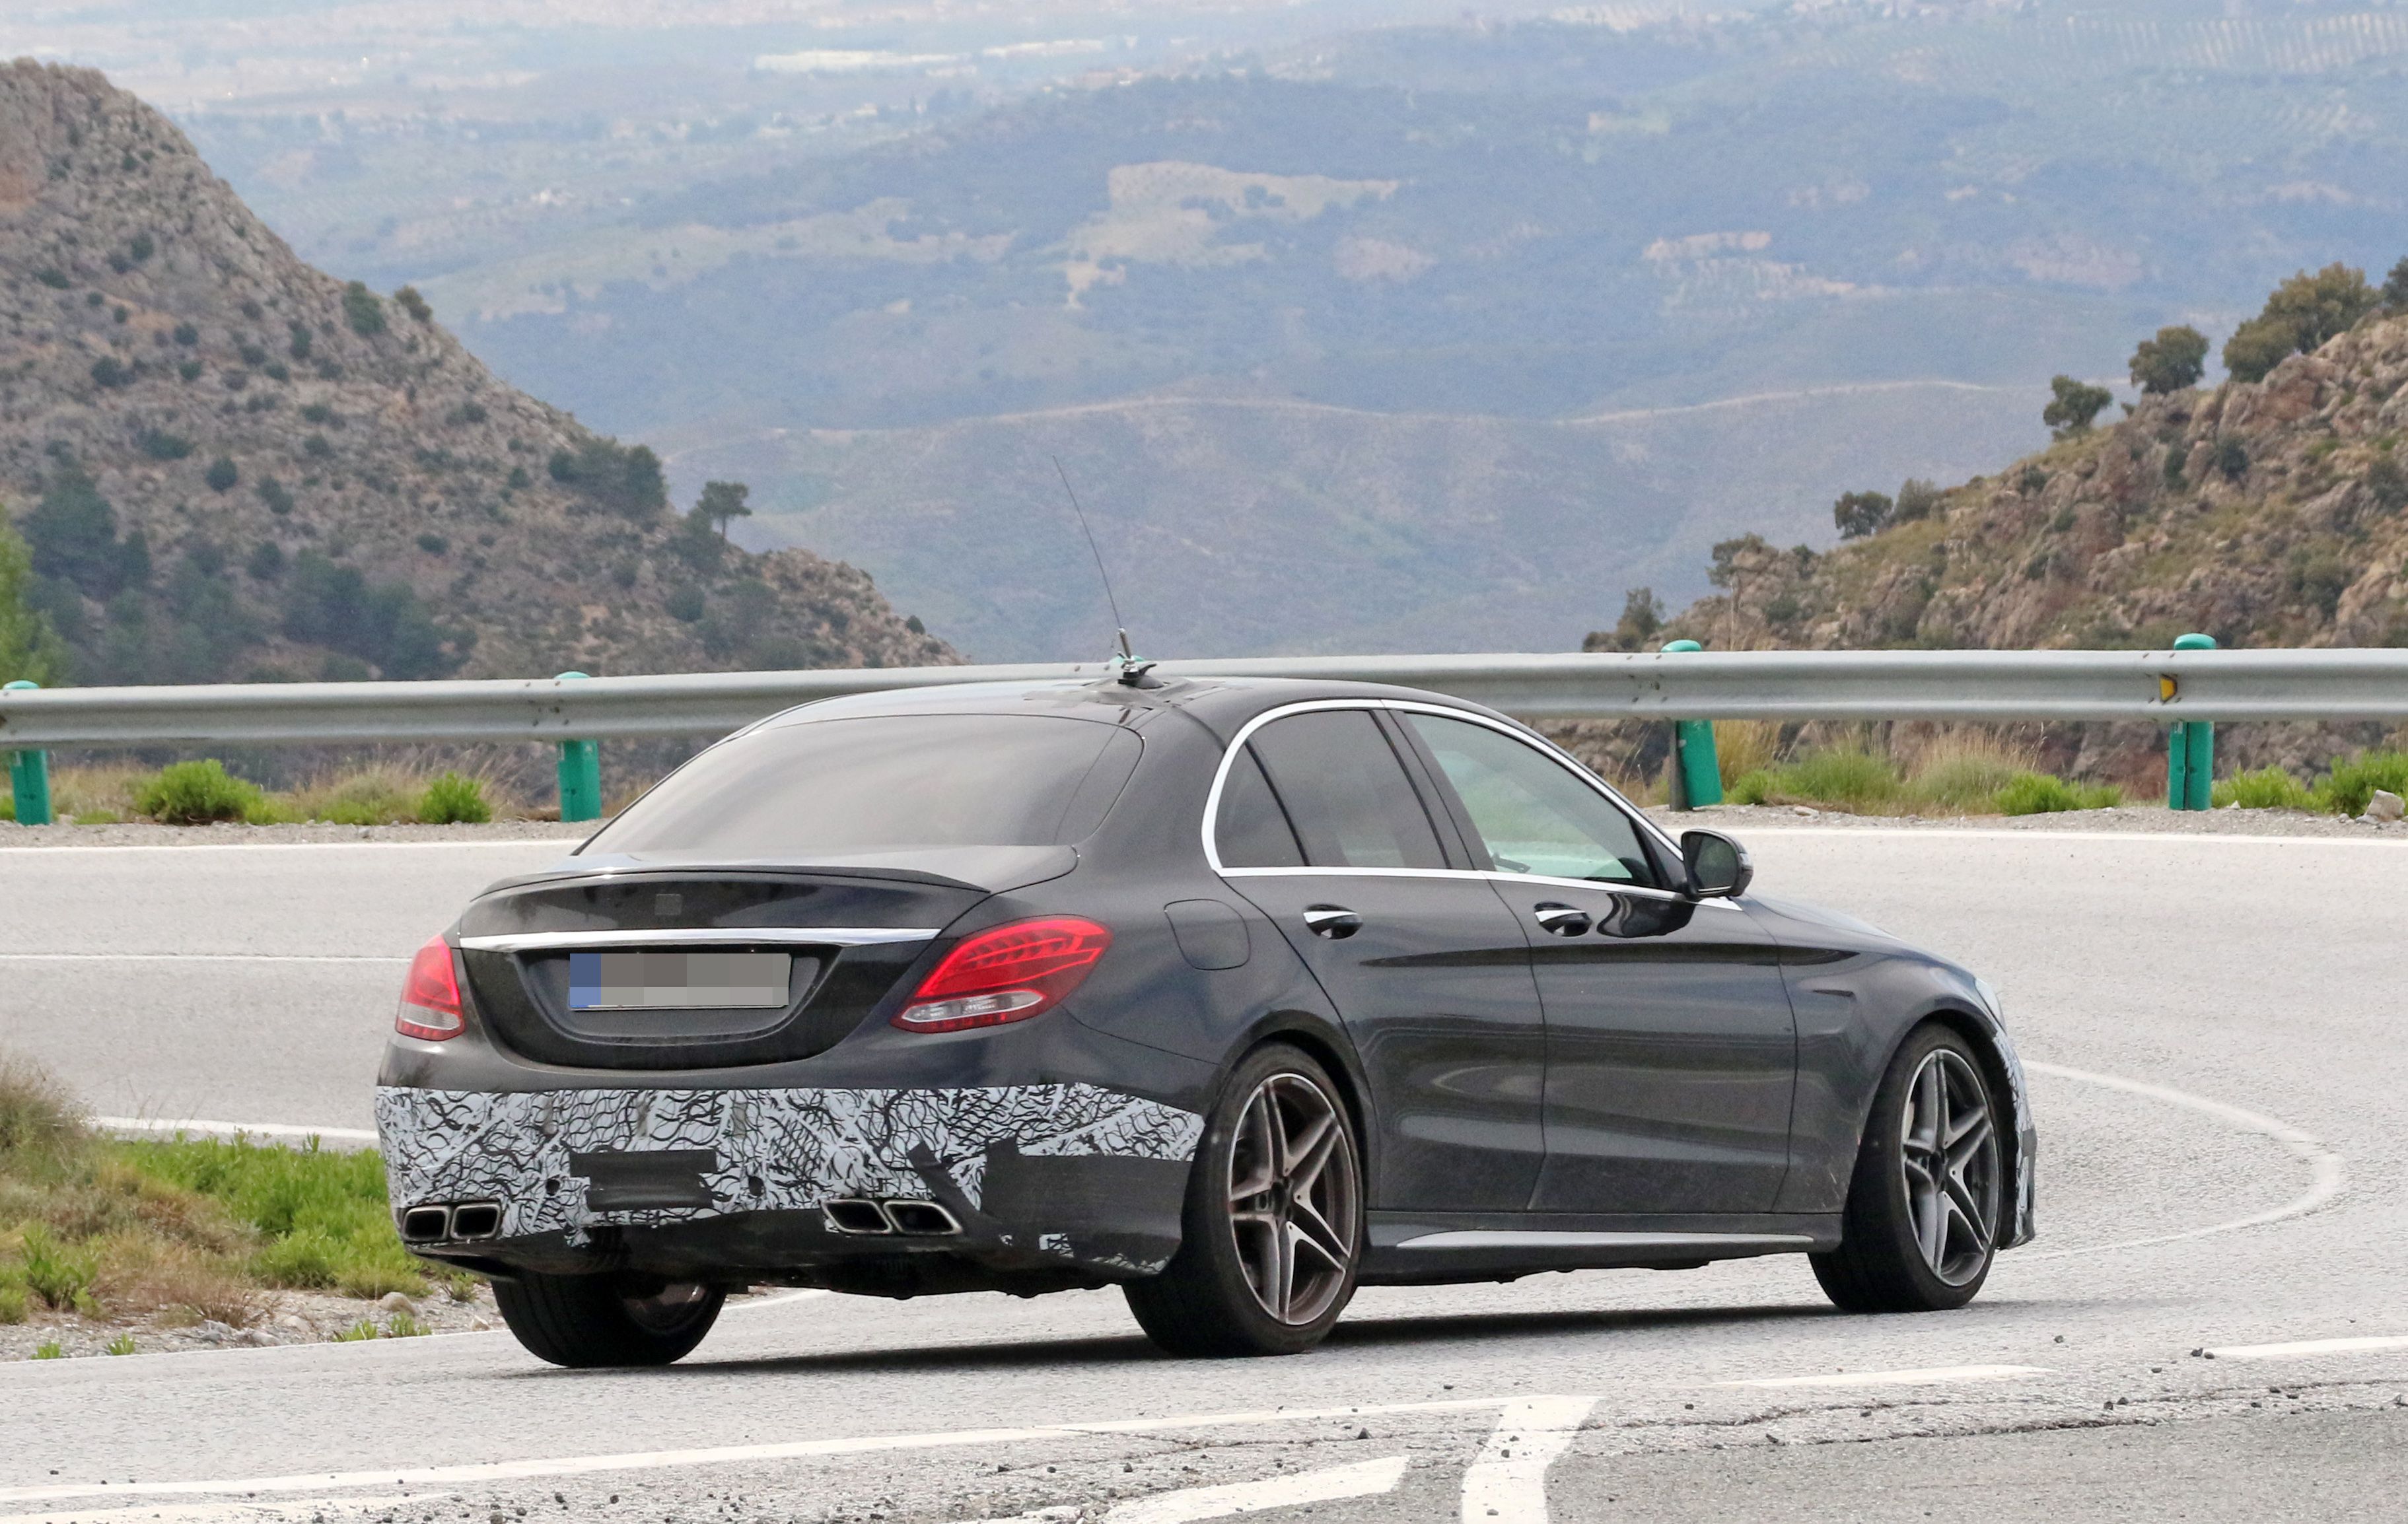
{"points": [[1319, 825], [1671, 1052]]}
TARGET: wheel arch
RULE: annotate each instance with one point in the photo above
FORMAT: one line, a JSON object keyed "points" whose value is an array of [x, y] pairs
{"points": [[1328, 1046], [2004, 1075]]}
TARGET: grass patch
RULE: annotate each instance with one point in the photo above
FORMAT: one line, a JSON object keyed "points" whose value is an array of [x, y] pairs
{"points": [[203, 792], [179, 1228], [2351, 784], [2266, 787], [196, 793], [2038, 793], [1955, 774]]}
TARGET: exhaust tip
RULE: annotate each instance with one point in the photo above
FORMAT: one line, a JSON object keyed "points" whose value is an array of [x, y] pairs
{"points": [[922, 1218], [476, 1220], [424, 1224], [854, 1215]]}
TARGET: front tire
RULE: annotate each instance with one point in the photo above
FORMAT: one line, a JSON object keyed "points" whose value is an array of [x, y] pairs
{"points": [[1273, 1225], [1921, 1225], [585, 1321]]}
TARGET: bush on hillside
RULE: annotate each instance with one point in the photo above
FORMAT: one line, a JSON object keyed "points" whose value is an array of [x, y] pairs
{"points": [[196, 793], [361, 309], [2299, 316], [1917, 499], [2072, 405], [617, 478], [1859, 514], [2174, 360]]}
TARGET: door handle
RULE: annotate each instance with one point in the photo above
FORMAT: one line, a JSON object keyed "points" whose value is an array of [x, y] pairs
{"points": [[1334, 921], [1562, 920]]}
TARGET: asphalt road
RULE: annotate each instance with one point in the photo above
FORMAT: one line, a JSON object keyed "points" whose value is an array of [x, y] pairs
{"points": [[2213, 1027]]}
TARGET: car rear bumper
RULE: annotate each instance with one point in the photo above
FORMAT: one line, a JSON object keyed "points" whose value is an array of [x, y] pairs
{"points": [[1001, 1186]]}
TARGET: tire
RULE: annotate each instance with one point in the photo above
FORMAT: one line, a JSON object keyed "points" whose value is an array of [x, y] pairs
{"points": [[1917, 1239], [584, 1321], [1278, 1154]]}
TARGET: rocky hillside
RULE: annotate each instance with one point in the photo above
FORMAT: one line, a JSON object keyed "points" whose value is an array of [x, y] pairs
{"points": [[2263, 514], [229, 464]]}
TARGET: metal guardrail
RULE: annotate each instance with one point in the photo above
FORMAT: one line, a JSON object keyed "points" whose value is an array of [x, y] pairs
{"points": [[2165, 686]]}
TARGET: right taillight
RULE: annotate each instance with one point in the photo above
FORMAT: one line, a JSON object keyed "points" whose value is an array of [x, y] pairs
{"points": [[1006, 974], [430, 997]]}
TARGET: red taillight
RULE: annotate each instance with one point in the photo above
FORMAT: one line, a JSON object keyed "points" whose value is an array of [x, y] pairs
{"points": [[430, 997], [1006, 974]]}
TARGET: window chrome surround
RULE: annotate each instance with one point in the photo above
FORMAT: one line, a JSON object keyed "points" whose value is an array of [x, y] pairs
{"points": [[706, 936], [1539, 743]]}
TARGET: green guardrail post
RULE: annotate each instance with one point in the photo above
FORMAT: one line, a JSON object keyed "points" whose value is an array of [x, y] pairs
{"points": [[29, 775], [580, 775], [2190, 750], [1696, 775]]}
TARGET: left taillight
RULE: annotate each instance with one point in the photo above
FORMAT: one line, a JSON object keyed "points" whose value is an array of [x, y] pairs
{"points": [[430, 997], [1006, 974]]}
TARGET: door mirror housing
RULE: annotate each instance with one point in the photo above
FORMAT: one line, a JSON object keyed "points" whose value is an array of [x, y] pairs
{"points": [[1717, 865]]}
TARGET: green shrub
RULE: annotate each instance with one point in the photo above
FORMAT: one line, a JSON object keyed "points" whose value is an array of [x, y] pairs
{"points": [[361, 309], [48, 1349], [195, 793], [61, 1276], [121, 1344], [2346, 790], [1751, 788], [1969, 781], [1847, 777], [454, 800], [324, 1212], [2268, 788], [14, 1306], [2038, 793]]}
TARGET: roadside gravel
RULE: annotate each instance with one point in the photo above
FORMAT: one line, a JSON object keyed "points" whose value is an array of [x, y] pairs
{"points": [[2153, 819], [277, 1317], [230, 834]]}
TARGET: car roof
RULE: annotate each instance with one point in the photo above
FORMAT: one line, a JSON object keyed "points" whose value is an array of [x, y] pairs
{"points": [[1223, 704]]}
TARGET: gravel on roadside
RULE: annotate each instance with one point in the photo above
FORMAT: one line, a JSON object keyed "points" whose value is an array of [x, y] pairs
{"points": [[226, 834], [2152, 820]]}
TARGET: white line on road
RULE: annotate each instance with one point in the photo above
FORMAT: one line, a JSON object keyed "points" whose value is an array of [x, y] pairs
{"points": [[1507, 1479], [194, 957], [579, 1465], [1364, 1479], [2324, 1165], [1934, 1376], [211, 1513], [228, 1130], [2311, 1347]]}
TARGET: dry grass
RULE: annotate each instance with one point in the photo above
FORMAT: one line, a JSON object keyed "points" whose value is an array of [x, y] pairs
{"points": [[1746, 746], [382, 790]]}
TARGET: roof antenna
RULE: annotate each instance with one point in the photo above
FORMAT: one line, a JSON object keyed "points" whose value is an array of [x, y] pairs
{"points": [[1132, 670]]}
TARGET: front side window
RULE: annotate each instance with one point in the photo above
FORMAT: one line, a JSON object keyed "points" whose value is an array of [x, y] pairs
{"points": [[1345, 792], [1534, 815], [885, 782]]}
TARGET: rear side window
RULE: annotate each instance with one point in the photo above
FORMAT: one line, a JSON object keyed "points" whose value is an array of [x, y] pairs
{"points": [[882, 782], [1251, 831], [1345, 791]]}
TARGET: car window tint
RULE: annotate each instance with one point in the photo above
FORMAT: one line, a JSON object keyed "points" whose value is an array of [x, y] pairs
{"points": [[884, 781], [1533, 813], [1345, 791], [1252, 832]]}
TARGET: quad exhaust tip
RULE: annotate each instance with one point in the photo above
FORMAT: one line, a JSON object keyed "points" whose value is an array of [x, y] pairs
{"points": [[863, 1217], [438, 1221]]}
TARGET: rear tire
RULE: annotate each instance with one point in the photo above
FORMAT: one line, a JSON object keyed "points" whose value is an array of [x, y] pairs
{"points": [[584, 1321], [1921, 1226], [1273, 1225]]}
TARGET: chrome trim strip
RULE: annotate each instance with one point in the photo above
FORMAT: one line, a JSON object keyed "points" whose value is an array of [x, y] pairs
{"points": [[1484, 1238], [709, 936], [1638, 818]]}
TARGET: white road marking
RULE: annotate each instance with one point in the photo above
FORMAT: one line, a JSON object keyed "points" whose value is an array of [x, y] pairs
{"points": [[1507, 1479], [581, 1465], [1934, 1376], [1364, 1479], [194, 957], [209, 1513], [227, 1130], [2310, 1347], [568, 845], [2324, 1165]]}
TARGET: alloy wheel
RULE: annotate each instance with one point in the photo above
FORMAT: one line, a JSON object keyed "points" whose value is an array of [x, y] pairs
{"points": [[1293, 1192], [1950, 1160]]}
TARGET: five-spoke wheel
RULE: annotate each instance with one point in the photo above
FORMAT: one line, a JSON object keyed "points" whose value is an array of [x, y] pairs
{"points": [[1922, 1219], [1273, 1226]]}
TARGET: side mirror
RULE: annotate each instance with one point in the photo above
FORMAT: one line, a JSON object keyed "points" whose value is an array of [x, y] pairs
{"points": [[1717, 866]]}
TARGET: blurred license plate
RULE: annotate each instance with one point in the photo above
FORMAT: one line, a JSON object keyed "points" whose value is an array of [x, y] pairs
{"points": [[611, 981]]}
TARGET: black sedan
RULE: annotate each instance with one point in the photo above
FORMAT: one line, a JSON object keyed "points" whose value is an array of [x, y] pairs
{"points": [[1236, 994]]}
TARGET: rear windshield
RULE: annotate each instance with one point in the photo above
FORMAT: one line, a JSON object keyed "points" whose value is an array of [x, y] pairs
{"points": [[883, 782]]}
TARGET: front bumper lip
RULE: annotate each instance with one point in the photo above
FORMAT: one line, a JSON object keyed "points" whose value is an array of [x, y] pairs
{"points": [[1073, 1174]]}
